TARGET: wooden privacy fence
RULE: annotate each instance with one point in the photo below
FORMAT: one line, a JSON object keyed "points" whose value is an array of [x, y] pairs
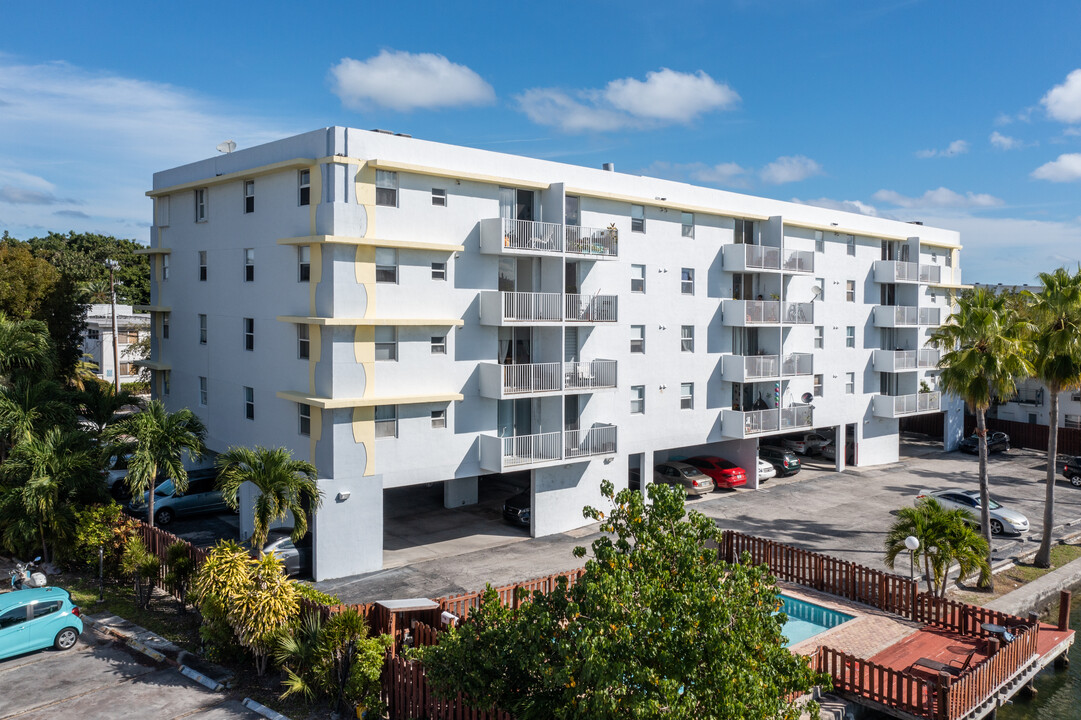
{"points": [[408, 696], [1031, 435], [157, 541], [878, 683], [462, 605], [976, 686], [960, 616]]}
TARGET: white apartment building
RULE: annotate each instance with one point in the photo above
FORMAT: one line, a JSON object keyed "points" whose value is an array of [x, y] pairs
{"points": [[97, 341], [403, 312]]}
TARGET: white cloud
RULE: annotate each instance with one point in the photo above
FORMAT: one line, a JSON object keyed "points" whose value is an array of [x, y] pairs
{"points": [[1063, 102], [1004, 142], [788, 169], [957, 147], [731, 174], [1066, 168], [407, 81], [938, 198], [665, 97], [854, 206]]}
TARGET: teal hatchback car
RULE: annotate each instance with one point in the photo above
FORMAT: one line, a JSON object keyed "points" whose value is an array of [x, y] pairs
{"points": [[38, 618]]}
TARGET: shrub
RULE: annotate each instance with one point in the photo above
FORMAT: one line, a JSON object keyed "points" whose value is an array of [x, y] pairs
{"points": [[180, 569], [309, 592], [142, 567], [136, 387], [96, 526]]}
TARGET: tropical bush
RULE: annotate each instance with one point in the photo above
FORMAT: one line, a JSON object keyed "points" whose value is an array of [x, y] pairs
{"points": [[309, 592], [946, 537], [179, 570], [104, 526], [143, 567]]}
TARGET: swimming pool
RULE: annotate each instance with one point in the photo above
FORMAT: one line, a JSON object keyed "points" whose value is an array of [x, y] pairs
{"points": [[805, 620]]}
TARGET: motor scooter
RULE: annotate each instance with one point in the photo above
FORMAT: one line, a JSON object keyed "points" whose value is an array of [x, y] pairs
{"points": [[22, 577]]}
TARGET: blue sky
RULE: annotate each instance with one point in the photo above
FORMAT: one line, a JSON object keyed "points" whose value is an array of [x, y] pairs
{"points": [[961, 114]]}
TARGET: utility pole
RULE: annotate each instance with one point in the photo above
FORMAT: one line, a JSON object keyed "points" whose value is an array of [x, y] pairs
{"points": [[113, 266]]}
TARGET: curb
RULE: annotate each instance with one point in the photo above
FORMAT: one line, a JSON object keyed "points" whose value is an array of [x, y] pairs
{"points": [[263, 710], [200, 678]]}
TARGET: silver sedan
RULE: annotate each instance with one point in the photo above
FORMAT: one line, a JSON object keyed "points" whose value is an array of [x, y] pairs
{"points": [[1003, 520]]}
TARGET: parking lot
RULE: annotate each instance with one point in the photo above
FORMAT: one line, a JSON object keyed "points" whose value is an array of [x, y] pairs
{"points": [[102, 679]]}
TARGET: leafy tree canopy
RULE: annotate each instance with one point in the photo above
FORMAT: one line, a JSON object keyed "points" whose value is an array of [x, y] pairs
{"points": [[83, 256]]}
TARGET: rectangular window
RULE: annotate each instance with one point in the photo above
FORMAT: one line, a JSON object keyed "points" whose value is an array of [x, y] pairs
{"points": [[687, 220], [439, 271], [164, 267], [850, 291], [686, 338], [439, 419], [249, 403], [386, 188], [386, 343], [386, 421], [304, 263], [304, 187], [165, 326], [850, 383], [686, 396], [303, 342], [202, 329], [249, 333], [850, 336], [386, 265], [202, 391], [638, 278], [304, 415], [166, 380], [202, 266], [818, 386], [249, 196], [638, 338], [638, 218], [93, 334], [819, 340], [638, 399], [686, 281], [572, 210], [439, 197], [439, 344], [125, 369], [820, 241], [852, 245], [249, 264], [200, 205]]}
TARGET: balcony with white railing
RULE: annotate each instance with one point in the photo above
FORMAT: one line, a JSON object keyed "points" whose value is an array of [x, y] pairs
{"points": [[520, 308], [896, 316], [591, 308], [754, 423], [895, 406], [501, 382], [588, 442], [766, 258], [520, 237], [895, 271], [930, 274], [500, 454], [596, 243], [747, 313], [893, 361], [748, 368], [589, 375]]}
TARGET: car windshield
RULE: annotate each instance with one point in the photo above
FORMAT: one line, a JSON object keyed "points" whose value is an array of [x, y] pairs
{"points": [[992, 504], [690, 472], [165, 489]]}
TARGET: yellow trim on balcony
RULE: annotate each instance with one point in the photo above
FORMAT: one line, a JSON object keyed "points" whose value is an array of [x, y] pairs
{"points": [[152, 364], [373, 242], [154, 251], [325, 403], [457, 174], [294, 164], [371, 322], [152, 308]]}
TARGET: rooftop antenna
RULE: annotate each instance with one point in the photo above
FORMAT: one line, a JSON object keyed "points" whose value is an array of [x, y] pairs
{"points": [[226, 147]]}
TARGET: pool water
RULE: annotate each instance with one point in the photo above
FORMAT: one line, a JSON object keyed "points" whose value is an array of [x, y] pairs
{"points": [[805, 620]]}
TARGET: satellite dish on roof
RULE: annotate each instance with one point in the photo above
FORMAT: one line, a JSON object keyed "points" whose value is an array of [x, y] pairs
{"points": [[226, 147]]}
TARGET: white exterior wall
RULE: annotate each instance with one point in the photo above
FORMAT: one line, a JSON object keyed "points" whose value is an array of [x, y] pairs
{"points": [[100, 349], [348, 532]]}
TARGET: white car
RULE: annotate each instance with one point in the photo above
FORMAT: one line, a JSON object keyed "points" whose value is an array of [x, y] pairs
{"points": [[1003, 520], [765, 470], [807, 444]]}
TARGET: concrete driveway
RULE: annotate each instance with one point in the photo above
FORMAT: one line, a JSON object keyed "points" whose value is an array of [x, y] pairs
{"points": [[102, 679]]}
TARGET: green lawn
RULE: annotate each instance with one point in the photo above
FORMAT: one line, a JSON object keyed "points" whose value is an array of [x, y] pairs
{"points": [[1020, 574], [163, 617]]}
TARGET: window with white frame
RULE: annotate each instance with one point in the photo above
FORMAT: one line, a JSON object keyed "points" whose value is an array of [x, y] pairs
{"points": [[850, 291], [386, 265], [304, 418], [202, 329], [820, 241], [818, 386], [439, 271], [850, 383], [165, 326], [850, 336], [638, 278], [165, 267], [686, 396], [638, 338], [686, 281], [386, 343], [303, 341], [249, 264], [439, 344], [638, 218], [202, 266], [93, 334], [687, 224], [638, 399], [439, 419], [200, 205], [304, 263], [202, 391], [686, 338], [304, 187], [819, 337], [249, 196], [1072, 421], [386, 421], [439, 197], [386, 188], [851, 244], [249, 403], [249, 333], [166, 380]]}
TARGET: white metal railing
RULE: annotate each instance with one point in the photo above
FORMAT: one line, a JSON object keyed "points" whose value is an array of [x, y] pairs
{"points": [[763, 257], [597, 440], [591, 374], [910, 404], [930, 316], [527, 306], [903, 316], [592, 241], [760, 421], [798, 313], [798, 261], [900, 360], [590, 308], [927, 358], [532, 235], [526, 449], [763, 311], [798, 364], [930, 273], [761, 366], [796, 416], [531, 378]]}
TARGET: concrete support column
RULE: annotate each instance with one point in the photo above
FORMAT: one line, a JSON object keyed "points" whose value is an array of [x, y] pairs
{"points": [[746, 456], [459, 492], [841, 445]]}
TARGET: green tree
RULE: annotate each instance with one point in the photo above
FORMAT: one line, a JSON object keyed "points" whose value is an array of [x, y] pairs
{"points": [[1056, 313], [101, 526], [179, 570], [143, 567], [160, 441], [30, 407], [656, 626], [219, 581], [83, 256], [946, 537], [985, 349], [25, 280], [25, 349], [285, 486], [100, 404]]}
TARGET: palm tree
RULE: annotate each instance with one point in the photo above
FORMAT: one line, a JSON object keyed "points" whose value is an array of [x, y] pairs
{"points": [[25, 347], [985, 349], [285, 486], [100, 403], [946, 537], [1056, 313], [29, 407], [158, 441]]}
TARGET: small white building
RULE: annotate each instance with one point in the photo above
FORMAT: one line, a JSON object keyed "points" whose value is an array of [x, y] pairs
{"points": [[98, 340], [403, 312]]}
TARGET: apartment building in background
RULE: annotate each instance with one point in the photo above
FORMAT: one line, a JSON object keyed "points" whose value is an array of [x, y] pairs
{"points": [[97, 341], [405, 312]]}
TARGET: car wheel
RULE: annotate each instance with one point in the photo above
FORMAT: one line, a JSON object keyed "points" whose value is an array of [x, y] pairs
{"points": [[1075, 480], [996, 527], [65, 639], [163, 516]]}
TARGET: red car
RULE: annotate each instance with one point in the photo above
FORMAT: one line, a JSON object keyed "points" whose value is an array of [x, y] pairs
{"points": [[724, 473]]}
